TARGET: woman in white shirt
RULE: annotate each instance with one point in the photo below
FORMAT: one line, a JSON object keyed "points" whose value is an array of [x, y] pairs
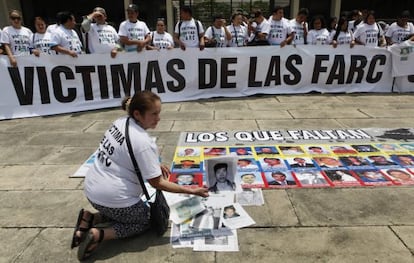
{"points": [[217, 34], [42, 40], [16, 39], [342, 35], [160, 39], [112, 186], [369, 33], [318, 35], [238, 32]]}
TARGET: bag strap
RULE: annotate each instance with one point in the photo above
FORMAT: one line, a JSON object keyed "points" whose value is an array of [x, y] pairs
{"points": [[134, 161]]}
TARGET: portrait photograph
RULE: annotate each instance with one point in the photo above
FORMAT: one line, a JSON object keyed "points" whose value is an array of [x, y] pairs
{"points": [[316, 150], [372, 177], [264, 150], [241, 151], [400, 176], [187, 179], [342, 149], [389, 147], [311, 178], [214, 151], [406, 160], [220, 173], [365, 148], [408, 146], [380, 160], [187, 165], [291, 150], [278, 179], [247, 164], [250, 179], [272, 163], [188, 152], [300, 162], [328, 162], [355, 161], [342, 177]]}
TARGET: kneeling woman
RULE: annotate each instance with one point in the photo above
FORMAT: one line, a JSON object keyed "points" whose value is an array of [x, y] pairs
{"points": [[112, 186]]}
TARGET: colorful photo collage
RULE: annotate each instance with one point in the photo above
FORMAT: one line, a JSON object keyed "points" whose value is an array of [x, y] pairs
{"points": [[282, 166]]}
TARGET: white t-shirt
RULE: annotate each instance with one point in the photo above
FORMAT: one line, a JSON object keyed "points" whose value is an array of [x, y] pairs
{"points": [[43, 42], [218, 34], [299, 32], [399, 34], [352, 26], [102, 38], [188, 32], [368, 34], [343, 37], [51, 28], [112, 181], [279, 30], [162, 41], [133, 31], [318, 37], [20, 40], [66, 38], [239, 35]]}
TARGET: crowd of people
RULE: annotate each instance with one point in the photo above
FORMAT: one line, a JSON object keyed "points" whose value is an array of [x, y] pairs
{"points": [[352, 28]]}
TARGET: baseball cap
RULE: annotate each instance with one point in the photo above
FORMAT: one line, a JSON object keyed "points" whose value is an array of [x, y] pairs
{"points": [[100, 10], [132, 7]]}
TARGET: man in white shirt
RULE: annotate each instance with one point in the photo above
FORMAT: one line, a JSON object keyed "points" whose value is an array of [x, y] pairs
{"points": [[188, 32], [99, 36], [65, 40], [300, 27], [134, 34], [259, 30], [400, 30], [217, 35], [280, 31]]}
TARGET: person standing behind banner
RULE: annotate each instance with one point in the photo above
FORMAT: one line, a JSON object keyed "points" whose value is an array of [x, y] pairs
{"points": [[42, 40], [65, 40], [112, 186], [258, 30], [300, 27], [369, 33], [318, 35], [342, 36], [188, 32], [100, 37], [133, 33], [356, 20], [398, 31], [16, 39], [280, 31], [160, 39], [238, 31], [217, 35]]}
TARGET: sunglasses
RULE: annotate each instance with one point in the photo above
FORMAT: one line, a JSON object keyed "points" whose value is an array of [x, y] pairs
{"points": [[15, 18]]}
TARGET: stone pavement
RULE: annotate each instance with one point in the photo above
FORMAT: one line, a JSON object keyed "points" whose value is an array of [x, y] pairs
{"points": [[39, 202]]}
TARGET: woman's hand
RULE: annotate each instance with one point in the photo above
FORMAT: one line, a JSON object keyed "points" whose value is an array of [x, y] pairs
{"points": [[200, 191], [165, 171]]}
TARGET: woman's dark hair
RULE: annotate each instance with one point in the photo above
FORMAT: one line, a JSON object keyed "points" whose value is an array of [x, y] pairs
{"points": [[321, 18], [141, 101], [219, 166], [235, 14], [369, 13], [330, 20], [64, 17], [341, 22]]}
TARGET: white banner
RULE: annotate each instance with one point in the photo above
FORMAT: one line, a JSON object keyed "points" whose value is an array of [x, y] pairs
{"points": [[60, 84], [402, 59]]}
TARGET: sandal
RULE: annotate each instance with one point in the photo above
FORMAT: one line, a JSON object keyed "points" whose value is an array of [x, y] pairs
{"points": [[85, 249], [76, 240]]}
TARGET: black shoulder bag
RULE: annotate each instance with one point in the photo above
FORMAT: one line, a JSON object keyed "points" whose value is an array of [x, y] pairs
{"points": [[159, 209]]}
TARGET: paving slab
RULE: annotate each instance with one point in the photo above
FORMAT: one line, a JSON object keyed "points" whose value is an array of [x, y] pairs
{"points": [[318, 114], [397, 122], [26, 154], [353, 206], [406, 234], [213, 125], [15, 241], [38, 177], [322, 244], [375, 98], [387, 113], [66, 139], [299, 124], [250, 114], [46, 208], [308, 99], [187, 115], [13, 139], [74, 125], [71, 155]]}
